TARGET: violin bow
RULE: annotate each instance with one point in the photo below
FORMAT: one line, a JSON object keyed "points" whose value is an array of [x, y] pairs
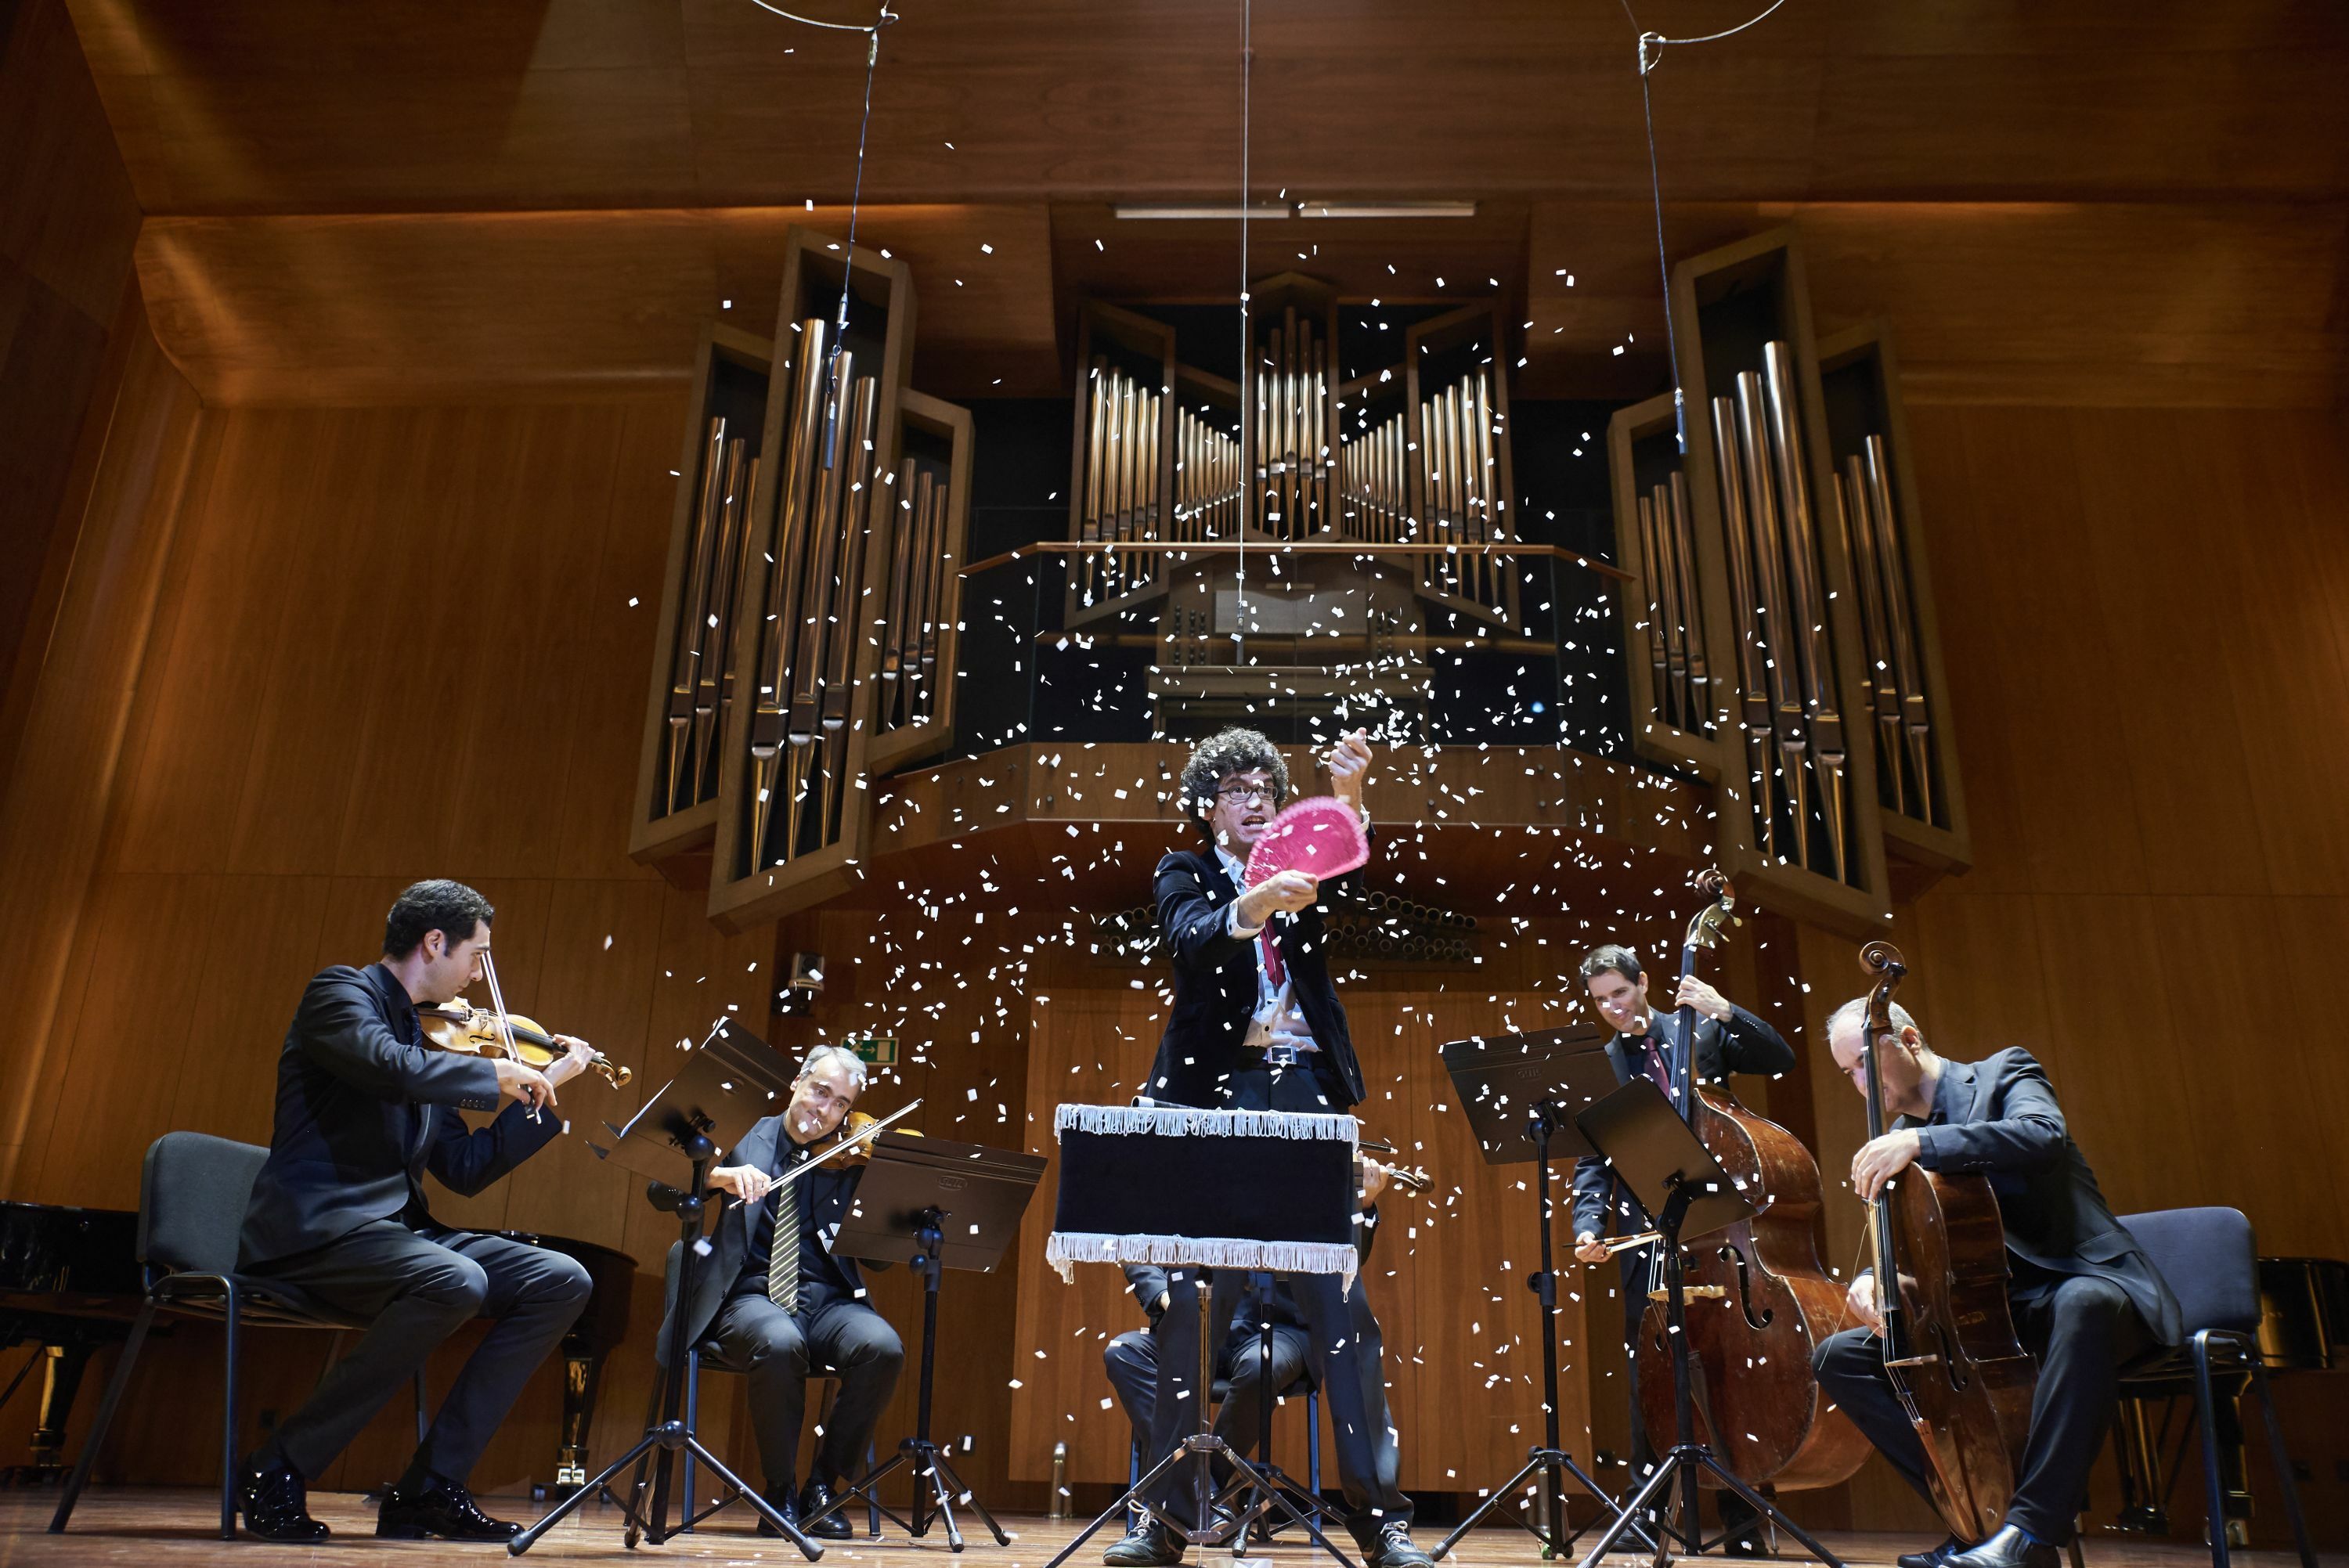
{"points": [[846, 1144], [505, 1029]]}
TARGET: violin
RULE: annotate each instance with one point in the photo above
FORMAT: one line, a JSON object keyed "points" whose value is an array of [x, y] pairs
{"points": [[1411, 1179], [1947, 1332], [469, 1031], [1760, 1299], [851, 1141]]}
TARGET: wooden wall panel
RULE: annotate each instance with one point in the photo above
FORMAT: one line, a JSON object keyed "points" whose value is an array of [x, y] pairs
{"points": [[69, 219], [2146, 637]]}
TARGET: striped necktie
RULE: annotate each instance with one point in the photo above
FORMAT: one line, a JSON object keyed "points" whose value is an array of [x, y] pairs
{"points": [[783, 1254]]}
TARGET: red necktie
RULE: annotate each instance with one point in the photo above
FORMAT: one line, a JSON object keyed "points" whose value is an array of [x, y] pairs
{"points": [[1657, 1068], [1273, 970]]}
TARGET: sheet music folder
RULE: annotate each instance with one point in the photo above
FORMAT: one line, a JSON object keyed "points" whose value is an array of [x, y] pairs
{"points": [[720, 1086], [1501, 1077]]}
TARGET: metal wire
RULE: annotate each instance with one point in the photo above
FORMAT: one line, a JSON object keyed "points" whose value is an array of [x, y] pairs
{"points": [[1239, 592], [874, 27], [1652, 55]]}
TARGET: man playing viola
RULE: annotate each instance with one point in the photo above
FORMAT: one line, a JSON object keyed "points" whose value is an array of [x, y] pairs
{"points": [[338, 1217], [2086, 1298], [772, 1300]]}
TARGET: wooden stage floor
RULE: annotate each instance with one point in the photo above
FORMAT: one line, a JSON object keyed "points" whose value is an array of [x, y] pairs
{"points": [[142, 1528]]}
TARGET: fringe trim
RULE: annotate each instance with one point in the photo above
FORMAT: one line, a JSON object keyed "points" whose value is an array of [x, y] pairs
{"points": [[1183, 1122], [1065, 1249]]}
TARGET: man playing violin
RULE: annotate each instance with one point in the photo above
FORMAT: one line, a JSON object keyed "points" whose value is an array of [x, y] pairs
{"points": [[339, 1219], [2086, 1298], [772, 1300], [1726, 1038], [1257, 1026]]}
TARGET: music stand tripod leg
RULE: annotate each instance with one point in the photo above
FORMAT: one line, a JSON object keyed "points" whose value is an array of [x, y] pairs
{"points": [[1552, 1458], [666, 1438], [935, 1484], [1198, 1449], [1688, 1456]]}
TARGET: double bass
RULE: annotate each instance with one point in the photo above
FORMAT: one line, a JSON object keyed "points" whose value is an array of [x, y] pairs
{"points": [[1947, 1337], [1758, 1298]]}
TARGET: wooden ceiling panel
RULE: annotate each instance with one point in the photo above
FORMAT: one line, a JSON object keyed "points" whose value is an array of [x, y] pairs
{"points": [[461, 307], [284, 106]]}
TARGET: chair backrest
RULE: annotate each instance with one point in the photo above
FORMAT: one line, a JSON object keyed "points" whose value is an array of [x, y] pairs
{"points": [[2211, 1260], [191, 1202]]}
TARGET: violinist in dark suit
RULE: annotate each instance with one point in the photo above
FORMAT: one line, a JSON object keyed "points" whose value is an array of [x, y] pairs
{"points": [[1727, 1039], [1257, 1026], [772, 1300], [2086, 1298], [339, 1219]]}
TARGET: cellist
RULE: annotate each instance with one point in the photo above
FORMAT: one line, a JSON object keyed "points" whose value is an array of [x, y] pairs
{"points": [[2084, 1297]]}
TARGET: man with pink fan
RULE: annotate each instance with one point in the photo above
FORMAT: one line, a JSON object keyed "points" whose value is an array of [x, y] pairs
{"points": [[1257, 1026]]}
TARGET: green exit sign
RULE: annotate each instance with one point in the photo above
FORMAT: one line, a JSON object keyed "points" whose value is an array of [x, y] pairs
{"points": [[876, 1050]]}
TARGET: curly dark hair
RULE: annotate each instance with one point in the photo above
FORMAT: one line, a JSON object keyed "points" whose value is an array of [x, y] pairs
{"points": [[1219, 757], [1613, 955], [449, 907]]}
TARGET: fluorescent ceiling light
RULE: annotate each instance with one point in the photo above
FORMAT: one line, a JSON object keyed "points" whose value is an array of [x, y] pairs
{"points": [[1231, 213], [1386, 208]]}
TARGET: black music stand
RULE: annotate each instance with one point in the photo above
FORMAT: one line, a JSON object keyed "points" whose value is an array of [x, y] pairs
{"points": [[1166, 1189], [935, 1205], [1519, 1092], [726, 1083], [1685, 1192]]}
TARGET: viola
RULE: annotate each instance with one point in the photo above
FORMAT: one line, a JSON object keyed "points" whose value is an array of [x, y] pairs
{"points": [[1759, 1300], [1947, 1337], [470, 1031]]}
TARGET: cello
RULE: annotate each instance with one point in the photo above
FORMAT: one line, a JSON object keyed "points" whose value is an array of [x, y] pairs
{"points": [[1947, 1337], [1758, 1298]]}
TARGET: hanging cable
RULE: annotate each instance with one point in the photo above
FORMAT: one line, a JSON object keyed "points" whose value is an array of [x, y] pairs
{"points": [[887, 18], [1652, 55], [1239, 593]]}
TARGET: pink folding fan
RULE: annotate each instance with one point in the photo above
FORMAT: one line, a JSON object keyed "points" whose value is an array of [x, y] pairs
{"points": [[1321, 836]]}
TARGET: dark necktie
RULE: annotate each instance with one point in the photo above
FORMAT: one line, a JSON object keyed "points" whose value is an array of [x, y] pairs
{"points": [[783, 1256]]}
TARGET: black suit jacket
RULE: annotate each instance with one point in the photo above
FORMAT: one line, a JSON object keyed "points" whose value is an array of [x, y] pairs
{"points": [[1215, 986], [1742, 1044], [363, 1111], [833, 1189], [2002, 1120]]}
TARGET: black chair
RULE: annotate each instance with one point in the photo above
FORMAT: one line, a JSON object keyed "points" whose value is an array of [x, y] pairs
{"points": [[2211, 1262], [192, 1193]]}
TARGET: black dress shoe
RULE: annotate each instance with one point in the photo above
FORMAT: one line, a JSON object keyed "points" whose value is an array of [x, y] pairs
{"points": [[2008, 1547], [1393, 1548], [277, 1506], [785, 1503], [1149, 1544], [834, 1526], [440, 1508], [1949, 1548]]}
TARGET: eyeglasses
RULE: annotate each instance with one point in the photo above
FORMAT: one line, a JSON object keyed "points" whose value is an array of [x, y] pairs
{"points": [[1248, 794]]}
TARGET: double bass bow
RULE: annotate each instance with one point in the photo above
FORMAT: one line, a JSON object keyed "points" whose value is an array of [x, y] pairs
{"points": [[1947, 1337], [1759, 1299]]}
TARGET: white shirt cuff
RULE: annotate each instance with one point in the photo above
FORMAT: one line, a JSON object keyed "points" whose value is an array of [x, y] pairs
{"points": [[1243, 932]]}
